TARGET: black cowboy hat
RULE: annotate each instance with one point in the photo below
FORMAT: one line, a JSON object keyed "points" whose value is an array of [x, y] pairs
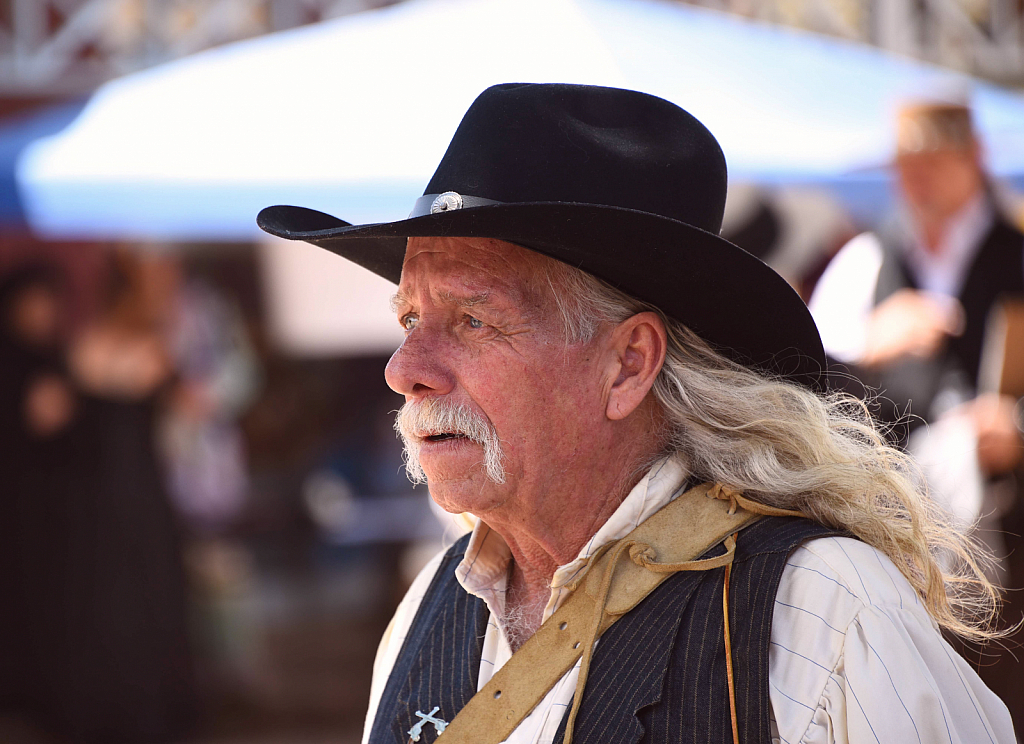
{"points": [[624, 185]]}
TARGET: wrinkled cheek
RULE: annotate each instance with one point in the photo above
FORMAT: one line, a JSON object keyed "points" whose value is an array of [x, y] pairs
{"points": [[542, 420]]}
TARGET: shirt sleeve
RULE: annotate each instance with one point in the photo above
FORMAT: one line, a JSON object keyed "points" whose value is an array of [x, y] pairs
{"points": [[855, 657], [903, 683], [845, 296]]}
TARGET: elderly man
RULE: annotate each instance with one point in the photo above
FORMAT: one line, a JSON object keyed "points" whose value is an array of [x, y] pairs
{"points": [[583, 352]]}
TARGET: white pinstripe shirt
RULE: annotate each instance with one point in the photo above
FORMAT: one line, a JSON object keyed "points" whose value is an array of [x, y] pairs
{"points": [[854, 655]]}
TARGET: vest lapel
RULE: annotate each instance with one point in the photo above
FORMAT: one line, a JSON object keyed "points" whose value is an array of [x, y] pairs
{"points": [[440, 660], [893, 274], [628, 671], [995, 273], [659, 674]]}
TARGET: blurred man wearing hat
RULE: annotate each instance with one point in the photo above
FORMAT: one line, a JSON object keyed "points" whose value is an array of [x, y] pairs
{"points": [[908, 305], [908, 308], [678, 536]]}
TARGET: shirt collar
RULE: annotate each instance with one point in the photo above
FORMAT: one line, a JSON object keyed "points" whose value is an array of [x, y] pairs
{"points": [[943, 271], [483, 571]]}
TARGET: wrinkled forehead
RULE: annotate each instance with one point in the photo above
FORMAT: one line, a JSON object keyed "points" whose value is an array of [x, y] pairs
{"points": [[477, 266], [937, 157]]}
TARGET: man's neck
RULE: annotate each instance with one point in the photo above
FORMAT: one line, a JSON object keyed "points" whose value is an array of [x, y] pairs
{"points": [[529, 591], [524, 607], [933, 231], [547, 539], [934, 228], [539, 546]]}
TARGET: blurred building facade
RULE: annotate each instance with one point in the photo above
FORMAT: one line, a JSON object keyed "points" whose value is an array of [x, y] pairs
{"points": [[981, 37], [56, 48]]}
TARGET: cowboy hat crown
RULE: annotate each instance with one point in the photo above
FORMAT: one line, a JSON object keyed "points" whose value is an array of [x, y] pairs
{"points": [[624, 185], [586, 145]]}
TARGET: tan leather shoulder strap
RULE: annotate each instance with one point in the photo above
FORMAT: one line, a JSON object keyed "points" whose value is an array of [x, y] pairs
{"points": [[667, 542]]}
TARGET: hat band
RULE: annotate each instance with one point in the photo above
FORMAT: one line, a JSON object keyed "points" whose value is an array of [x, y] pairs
{"points": [[449, 201]]}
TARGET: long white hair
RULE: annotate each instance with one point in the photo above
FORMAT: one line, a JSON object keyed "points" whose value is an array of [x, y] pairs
{"points": [[783, 445]]}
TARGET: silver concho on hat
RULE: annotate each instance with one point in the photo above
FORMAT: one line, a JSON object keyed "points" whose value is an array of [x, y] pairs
{"points": [[446, 202]]}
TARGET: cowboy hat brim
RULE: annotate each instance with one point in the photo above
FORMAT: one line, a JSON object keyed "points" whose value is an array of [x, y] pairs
{"points": [[725, 295]]}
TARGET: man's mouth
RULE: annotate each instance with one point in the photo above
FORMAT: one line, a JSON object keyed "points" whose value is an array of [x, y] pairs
{"points": [[443, 437]]}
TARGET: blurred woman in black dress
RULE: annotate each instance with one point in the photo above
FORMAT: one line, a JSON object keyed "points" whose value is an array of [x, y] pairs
{"points": [[105, 652], [37, 411]]}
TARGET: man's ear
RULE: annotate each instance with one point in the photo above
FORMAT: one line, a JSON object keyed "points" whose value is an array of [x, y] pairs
{"points": [[639, 344]]}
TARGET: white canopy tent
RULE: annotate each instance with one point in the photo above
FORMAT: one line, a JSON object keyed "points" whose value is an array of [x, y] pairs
{"points": [[320, 305], [351, 116]]}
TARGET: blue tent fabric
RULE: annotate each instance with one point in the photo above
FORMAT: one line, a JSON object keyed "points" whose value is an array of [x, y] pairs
{"points": [[15, 135]]}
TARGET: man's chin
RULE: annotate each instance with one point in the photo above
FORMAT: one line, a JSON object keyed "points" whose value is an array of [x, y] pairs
{"points": [[471, 492]]}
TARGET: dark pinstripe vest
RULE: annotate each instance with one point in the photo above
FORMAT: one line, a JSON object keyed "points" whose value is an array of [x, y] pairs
{"points": [[657, 675], [996, 272]]}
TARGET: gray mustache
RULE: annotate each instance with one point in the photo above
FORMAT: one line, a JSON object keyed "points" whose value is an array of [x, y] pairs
{"points": [[419, 419]]}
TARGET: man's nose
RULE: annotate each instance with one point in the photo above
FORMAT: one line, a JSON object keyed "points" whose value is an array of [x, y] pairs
{"points": [[420, 366]]}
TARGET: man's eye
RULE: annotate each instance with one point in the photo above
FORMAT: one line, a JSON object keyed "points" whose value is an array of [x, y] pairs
{"points": [[408, 322], [475, 322]]}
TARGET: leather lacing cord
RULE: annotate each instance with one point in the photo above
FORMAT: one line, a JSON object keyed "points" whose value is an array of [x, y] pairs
{"points": [[644, 556]]}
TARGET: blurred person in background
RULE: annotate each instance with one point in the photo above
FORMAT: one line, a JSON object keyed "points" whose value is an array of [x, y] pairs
{"points": [[907, 305], [216, 378], [37, 410], [31, 304], [906, 308], [166, 370], [793, 230], [105, 657]]}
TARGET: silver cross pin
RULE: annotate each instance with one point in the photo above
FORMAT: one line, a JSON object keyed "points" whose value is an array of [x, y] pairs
{"points": [[414, 732]]}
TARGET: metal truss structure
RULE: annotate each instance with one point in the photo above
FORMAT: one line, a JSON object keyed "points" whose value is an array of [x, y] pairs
{"points": [[62, 47], [982, 37]]}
